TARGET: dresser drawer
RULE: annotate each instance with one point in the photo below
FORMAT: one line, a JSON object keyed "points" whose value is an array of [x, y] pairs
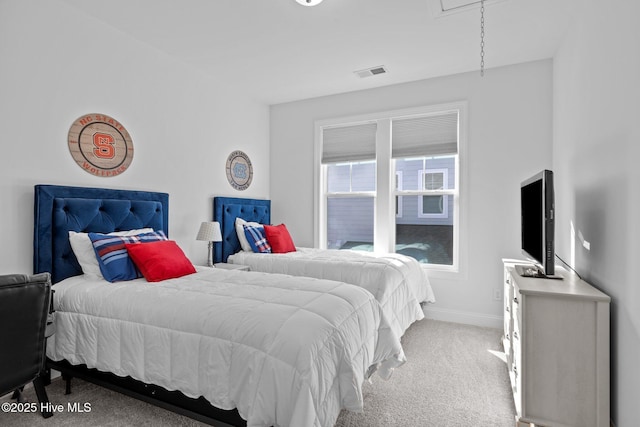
{"points": [[508, 327], [508, 286], [508, 352], [516, 308], [516, 346]]}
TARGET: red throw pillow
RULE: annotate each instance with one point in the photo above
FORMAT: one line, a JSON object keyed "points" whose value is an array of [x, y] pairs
{"points": [[279, 239], [160, 260]]}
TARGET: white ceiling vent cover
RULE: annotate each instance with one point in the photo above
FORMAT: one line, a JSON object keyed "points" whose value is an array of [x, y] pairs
{"points": [[371, 71], [441, 8]]}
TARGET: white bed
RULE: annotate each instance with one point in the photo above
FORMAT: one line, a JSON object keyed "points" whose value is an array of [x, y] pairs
{"points": [[283, 350], [398, 282]]}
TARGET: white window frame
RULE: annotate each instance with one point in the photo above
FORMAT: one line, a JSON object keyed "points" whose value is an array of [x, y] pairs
{"points": [[384, 238], [431, 192], [399, 198], [343, 194], [350, 191]]}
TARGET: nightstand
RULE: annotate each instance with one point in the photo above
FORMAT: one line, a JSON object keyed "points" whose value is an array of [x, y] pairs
{"points": [[225, 266]]}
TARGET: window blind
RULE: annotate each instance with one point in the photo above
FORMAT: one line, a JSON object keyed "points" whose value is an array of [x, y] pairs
{"points": [[349, 143], [425, 136]]}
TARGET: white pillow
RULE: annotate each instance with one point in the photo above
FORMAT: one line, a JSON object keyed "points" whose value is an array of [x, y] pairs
{"points": [[86, 256], [244, 243]]}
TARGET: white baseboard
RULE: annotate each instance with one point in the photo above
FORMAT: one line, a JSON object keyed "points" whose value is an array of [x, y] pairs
{"points": [[455, 316]]}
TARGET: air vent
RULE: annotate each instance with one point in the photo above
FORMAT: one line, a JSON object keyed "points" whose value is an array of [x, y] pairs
{"points": [[440, 8], [448, 5], [371, 71]]}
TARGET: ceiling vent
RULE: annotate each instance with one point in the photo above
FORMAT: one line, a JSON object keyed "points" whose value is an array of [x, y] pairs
{"points": [[440, 8], [371, 71]]}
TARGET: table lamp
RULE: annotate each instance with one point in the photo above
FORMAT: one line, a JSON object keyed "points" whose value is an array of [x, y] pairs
{"points": [[210, 232]]}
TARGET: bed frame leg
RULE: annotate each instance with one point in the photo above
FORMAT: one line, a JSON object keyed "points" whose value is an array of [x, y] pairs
{"points": [[67, 383], [18, 396], [46, 376]]}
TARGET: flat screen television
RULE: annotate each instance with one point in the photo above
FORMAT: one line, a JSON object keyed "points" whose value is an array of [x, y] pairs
{"points": [[537, 221]]}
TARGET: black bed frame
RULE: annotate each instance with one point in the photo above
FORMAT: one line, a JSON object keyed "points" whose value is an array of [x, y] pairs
{"points": [[198, 409], [48, 254]]}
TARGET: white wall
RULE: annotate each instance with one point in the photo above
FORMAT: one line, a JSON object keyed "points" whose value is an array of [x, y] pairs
{"points": [[57, 64], [595, 158], [510, 135]]}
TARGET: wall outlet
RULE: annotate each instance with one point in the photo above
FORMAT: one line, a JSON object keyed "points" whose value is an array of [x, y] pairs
{"points": [[497, 294]]}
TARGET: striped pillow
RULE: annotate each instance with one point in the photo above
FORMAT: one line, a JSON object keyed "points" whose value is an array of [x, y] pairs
{"points": [[113, 259], [257, 240]]}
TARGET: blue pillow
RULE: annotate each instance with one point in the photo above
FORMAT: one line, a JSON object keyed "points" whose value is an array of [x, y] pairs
{"points": [[112, 256], [256, 239]]}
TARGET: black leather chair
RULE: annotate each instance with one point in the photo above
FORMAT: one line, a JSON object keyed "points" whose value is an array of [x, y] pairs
{"points": [[24, 308]]}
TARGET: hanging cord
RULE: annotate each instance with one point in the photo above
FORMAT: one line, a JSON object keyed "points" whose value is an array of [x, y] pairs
{"points": [[481, 38], [568, 266]]}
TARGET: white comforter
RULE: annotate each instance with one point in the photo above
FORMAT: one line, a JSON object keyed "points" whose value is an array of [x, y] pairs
{"points": [[397, 281], [284, 351]]}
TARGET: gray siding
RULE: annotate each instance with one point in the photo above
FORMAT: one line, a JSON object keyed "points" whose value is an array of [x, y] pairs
{"points": [[410, 213], [410, 181], [349, 220], [362, 177]]}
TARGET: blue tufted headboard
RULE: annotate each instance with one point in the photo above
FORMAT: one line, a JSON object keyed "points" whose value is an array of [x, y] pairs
{"points": [[226, 210], [60, 209]]}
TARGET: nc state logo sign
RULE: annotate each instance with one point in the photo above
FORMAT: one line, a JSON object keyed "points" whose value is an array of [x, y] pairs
{"points": [[100, 145]]}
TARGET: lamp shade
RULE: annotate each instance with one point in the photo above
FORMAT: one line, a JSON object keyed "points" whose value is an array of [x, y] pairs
{"points": [[210, 232]]}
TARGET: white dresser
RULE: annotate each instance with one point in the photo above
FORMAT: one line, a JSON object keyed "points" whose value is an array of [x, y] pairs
{"points": [[556, 339]]}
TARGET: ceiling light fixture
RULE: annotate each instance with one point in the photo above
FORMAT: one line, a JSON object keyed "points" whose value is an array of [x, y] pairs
{"points": [[309, 2]]}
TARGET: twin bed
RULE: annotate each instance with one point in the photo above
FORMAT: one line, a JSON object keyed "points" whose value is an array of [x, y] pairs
{"points": [[247, 348], [398, 282]]}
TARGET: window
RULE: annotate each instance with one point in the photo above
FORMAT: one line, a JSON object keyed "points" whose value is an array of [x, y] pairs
{"points": [[350, 196], [350, 175], [398, 198], [391, 183], [432, 205]]}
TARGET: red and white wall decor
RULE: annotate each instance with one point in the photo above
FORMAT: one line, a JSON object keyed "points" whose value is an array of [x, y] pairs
{"points": [[100, 145]]}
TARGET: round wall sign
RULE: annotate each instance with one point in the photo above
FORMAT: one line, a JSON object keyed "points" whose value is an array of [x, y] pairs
{"points": [[239, 170], [100, 145]]}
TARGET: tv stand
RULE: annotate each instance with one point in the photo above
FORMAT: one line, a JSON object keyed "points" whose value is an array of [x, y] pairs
{"points": [[529, 270], [556, 342]]}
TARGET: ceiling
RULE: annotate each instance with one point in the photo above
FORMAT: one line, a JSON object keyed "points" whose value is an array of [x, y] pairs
{"points": [[279, 51]]}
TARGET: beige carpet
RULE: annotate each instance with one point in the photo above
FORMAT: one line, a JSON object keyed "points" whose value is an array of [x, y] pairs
{"points": [[454, 377]]}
